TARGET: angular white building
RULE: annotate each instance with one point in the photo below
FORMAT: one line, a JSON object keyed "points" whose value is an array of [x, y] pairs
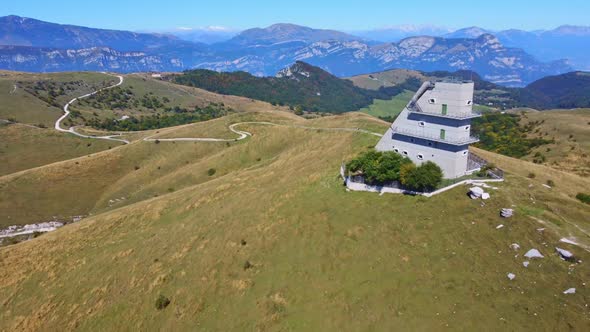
{"points": [[436, 126]]}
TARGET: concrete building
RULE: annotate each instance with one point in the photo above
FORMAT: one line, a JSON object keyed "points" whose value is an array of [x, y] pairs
{"points": [[436, 126]]}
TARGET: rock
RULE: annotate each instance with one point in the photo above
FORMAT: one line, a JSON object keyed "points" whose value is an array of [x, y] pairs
{"points": [[511, 276], [525, 263], [533, 253], [564, 254], [515, 246], [475, 192], [506, 213], [570, 291], [499, 226], [485, 196]]}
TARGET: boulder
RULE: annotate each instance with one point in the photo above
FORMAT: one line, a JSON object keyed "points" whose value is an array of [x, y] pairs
{"points": [[570, 291], [565, 254], [533, 253], [511, 276]]}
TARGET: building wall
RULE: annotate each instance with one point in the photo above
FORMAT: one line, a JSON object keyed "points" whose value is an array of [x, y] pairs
{"points": [[457, 96], [451, 158]]}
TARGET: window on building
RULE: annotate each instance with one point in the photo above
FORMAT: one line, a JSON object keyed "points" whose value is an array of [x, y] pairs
{"points": [[466, 127], [412, 140], [469, 102], [429, 143], [421, 123], [465, 153], [405, 153], [431, 101], [396, 150], [442, 134], [420, 157]]}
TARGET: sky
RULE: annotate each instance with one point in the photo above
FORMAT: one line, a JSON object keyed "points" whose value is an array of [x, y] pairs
{"points": [[345, 15]]}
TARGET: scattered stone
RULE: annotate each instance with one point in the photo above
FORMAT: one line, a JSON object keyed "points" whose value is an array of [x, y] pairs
{"points": [[540, 229], [525, 263], [566, 240], [485, 196], [511, 276], [506, 213], [546, 186], [570, 291], [499, 226], [565, 254], [515, 246], [475, 192], [533, 253]]}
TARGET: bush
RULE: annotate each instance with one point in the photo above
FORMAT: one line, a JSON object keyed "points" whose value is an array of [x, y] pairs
{"points": [[425, 177], [211, 171], [162, 302], [378, 167], [584, 198], [531, 175], [550, 183]]}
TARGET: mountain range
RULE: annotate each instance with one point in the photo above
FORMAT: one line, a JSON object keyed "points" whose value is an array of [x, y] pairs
{"points": [[33, 45]]}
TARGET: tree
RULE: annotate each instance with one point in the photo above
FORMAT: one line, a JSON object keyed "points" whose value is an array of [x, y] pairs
{"points": [[425, 177], [378, 167]]}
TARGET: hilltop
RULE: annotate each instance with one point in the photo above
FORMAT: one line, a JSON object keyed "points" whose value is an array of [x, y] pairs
{"points": [[272, 239]]}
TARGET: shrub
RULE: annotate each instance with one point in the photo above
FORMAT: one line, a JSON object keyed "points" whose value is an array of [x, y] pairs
{"points": [[584, 198], [247, 265], [162, 302], [425, 177], [378, 167], [211, 171], [531, 175], [550, 183], [136, 168]]}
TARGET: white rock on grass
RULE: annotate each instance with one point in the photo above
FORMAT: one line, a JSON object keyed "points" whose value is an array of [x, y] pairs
{"points": [[475, 192], [525, 263], [499, 226], [570, 291], [485, 196], [564, 254], [515, 246], [533, 253], [511, 276]]}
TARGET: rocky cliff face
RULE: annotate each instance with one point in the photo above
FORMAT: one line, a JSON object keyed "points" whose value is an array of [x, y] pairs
{"points": [[40, 46]]}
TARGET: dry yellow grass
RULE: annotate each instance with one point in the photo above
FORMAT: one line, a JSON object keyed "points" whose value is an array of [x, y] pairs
{"points": [[320, 258]]}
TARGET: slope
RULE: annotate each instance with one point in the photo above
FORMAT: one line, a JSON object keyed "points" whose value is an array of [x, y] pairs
{"points": [[277, 243]]}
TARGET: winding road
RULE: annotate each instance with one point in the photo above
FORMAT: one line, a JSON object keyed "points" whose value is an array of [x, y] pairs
{"points": [[241, 133], [72, 130]]}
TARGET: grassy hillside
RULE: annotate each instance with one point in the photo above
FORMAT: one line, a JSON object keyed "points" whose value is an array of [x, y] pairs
{"points": [[25, 96], [272, 241], [570, 130], [388, 108], [387, 78], [23, 147]]}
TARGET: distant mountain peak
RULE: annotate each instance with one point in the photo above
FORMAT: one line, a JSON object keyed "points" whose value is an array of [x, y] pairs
{"points": [[287, 32]]}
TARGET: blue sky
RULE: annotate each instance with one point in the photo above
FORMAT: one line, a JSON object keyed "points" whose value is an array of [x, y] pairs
{"points": [[345, 15]]}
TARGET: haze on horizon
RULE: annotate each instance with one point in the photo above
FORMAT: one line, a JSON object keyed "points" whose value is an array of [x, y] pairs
{"points": [[345, 15]]}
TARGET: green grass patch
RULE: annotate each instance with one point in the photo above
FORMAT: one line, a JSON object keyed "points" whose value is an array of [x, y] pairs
{"points": [[388, 108]]}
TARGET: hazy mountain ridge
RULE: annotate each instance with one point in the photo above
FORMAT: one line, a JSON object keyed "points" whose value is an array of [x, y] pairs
{"points": [[263, 52]]}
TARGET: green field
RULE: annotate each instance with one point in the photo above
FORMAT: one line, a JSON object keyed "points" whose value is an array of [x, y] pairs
{"points": [[386, 108]]}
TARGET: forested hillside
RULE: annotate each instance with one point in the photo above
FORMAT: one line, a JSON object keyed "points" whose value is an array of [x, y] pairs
{"points": [[301, 86]]}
